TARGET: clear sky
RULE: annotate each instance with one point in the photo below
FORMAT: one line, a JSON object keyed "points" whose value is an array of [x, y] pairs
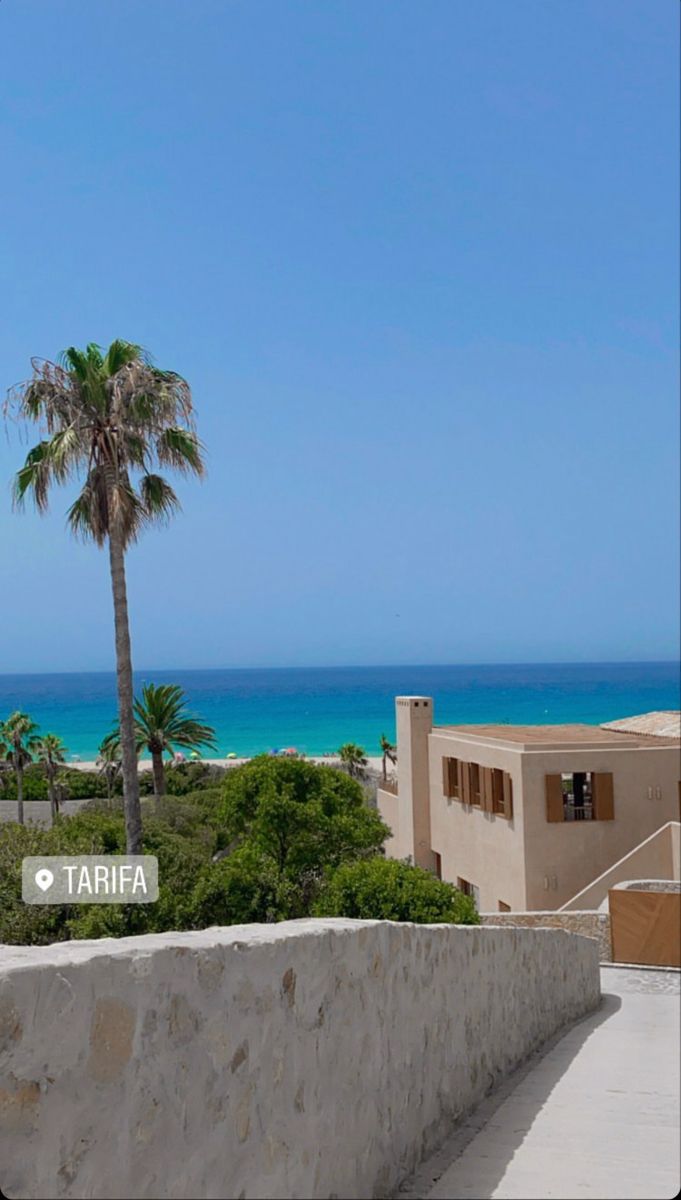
{"points": [[419, 262]]}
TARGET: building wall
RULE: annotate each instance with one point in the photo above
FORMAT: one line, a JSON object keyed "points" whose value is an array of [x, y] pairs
{"points": [[655, 858], [484, 848], [313, 1058], [572, 854]]}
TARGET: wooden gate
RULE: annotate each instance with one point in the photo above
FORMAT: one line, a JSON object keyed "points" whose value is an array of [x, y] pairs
{"points": [[645, 927]]}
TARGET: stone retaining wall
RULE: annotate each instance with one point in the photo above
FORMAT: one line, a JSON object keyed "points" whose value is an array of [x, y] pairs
{"points": [[591, 924], [38, 811], [310, 1058]]}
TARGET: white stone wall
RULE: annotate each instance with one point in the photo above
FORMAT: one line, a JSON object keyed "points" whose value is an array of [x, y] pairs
{"points": [[38, 811], [306, 1059]]}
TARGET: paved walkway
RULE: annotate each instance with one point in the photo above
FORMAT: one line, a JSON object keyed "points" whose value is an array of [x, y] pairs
{"points": [[594, 1115]]}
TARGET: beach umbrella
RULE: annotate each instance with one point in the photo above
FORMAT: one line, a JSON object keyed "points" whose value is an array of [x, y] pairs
{"points": [[231, 754]]}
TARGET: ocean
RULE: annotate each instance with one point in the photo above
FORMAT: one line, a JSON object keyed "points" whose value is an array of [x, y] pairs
{"points": [[316, 709]]}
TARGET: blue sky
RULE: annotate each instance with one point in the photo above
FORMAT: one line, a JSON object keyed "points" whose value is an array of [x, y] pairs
{"points": [[418, 261]]}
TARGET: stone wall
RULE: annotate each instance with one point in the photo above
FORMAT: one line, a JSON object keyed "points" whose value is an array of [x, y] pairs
{"points": [[589, 924], [310, 1058], [38, 811]]}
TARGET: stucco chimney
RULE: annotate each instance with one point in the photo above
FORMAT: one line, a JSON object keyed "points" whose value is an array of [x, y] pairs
{"points": [[414, 720]]}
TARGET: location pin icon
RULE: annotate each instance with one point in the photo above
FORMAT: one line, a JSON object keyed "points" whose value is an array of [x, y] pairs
{"points": [[44, 878]]}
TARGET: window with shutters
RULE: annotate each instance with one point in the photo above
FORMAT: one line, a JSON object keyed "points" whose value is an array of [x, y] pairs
{"points": [[580, 796], [451, 777], [498, 792]]}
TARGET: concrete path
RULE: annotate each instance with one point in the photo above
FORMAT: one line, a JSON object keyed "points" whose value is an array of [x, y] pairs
{"points": [[595, 1115]]}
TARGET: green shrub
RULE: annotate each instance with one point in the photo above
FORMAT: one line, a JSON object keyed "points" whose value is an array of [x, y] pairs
{"points": [[242, 888], [383, 889], [79, 785], [37, 924]]}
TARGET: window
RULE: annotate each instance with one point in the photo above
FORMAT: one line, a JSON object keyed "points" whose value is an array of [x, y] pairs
{"points": [[438, 864], [580, 796], [577, 796]]}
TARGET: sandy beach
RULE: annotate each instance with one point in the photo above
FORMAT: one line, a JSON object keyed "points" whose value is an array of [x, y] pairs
{"points": [[375, 764]]}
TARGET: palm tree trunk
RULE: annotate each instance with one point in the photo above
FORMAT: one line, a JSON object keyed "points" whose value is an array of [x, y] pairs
{"points": [[385, 768], [159, 774], [131, 792], [19, 769], [52, 796]]}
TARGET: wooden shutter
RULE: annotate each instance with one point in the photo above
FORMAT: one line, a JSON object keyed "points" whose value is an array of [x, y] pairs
{"points": [[603, 796], [465, 774], [486, 797], [508, 795], [554, 798], [446, 777]]}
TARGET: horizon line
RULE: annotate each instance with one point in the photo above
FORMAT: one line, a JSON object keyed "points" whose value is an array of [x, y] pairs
{"points": [[367, 666]]}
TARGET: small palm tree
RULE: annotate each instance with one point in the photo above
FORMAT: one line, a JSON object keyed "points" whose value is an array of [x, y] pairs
{"points": [[51, 751], [109, 763], [162, 723], [353, 759], [109, 417], [389, 753], [18, 733]]}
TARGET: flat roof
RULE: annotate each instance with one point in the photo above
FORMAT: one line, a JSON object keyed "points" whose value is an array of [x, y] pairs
{"points": [[559, 736]]}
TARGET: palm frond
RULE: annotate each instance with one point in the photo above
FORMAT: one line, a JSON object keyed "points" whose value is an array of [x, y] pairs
{"points": [[120, 354], [158, 498], [34, 477], [181, 449]]}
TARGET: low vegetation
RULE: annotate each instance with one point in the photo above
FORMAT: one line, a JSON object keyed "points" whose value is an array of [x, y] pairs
{"points": [[271, 840]]}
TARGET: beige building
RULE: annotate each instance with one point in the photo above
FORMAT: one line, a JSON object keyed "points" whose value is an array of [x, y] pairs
{"points": [[523, 817]]}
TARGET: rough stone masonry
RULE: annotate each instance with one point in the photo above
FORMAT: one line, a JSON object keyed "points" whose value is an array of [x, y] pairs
{"points": [[306, 1059]]}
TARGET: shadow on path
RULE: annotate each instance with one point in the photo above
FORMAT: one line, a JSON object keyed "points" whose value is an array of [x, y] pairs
{"points": [[562, 1048]]}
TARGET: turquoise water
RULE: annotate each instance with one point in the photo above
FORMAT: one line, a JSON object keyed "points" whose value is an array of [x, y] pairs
{"points": [[318, 709]]}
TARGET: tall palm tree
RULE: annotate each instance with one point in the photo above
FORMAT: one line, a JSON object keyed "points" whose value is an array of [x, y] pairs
{"points": [[51, 751], [18, 733], [389, 752], [110, 417], [353, 759], [109, 763], [162, 722]]}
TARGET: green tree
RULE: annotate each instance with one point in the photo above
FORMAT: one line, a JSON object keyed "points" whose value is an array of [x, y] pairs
{"points": [[387, 890], [18, 734], [51, 751], [353, 759], [162, 723], [389, 753], [110, 417], [300, 818]]}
